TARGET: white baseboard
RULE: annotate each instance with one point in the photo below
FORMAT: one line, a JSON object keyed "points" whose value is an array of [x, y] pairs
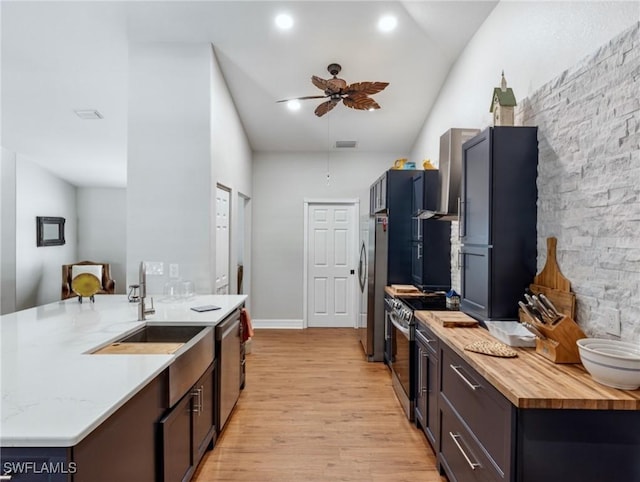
{"points": [[277, 324]]}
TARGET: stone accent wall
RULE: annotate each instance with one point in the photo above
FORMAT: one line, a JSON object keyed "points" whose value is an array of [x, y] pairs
{"points": [[589, 182]]}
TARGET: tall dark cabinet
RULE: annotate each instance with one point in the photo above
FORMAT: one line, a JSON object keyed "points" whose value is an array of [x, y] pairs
{"points": [[430, 238], [389, 253], [498, 220]]}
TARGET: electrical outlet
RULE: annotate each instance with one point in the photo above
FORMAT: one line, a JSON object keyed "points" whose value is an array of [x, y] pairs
{"points": [[174, 271], [612, 321], [155, 268]]}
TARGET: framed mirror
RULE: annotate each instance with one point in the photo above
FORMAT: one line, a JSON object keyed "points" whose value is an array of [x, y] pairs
{"points": [[50, 231]]}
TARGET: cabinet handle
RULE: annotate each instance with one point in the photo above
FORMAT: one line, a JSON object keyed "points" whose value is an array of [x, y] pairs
{"points": [[419, 221], [460, 258], [196, 392], [466, 380], [460, 218], [420, 353], [420, 251], [455, 438]]}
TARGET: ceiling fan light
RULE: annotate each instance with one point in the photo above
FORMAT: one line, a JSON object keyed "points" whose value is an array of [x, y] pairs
{"points": [[293, 104], [284, 21], [387, 23]]}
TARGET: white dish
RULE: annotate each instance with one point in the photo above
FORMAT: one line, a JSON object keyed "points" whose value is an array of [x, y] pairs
{"points": [[615, 350], [615, 363], [511, 333], [607, 341]]}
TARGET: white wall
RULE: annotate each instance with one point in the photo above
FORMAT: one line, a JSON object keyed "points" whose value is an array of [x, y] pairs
{"points": [[533, 42], [39, 269], [184, 136], [232, 159], [102, 230], [7, 232], [281, 183], [169, 171]]}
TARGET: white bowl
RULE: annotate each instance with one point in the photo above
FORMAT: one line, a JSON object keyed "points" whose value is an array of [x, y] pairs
{"points": [[615, 364], [605, 341]]}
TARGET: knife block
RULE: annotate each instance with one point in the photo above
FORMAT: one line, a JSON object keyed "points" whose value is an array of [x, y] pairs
{"points": [[560, 345]]}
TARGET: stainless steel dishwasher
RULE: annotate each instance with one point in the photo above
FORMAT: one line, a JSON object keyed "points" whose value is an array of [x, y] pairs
{"points": [[229, 345]]}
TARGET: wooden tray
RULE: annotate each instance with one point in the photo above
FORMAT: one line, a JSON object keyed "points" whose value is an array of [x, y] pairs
{"points": [[139, 349], [450, 319], [405, 289]]}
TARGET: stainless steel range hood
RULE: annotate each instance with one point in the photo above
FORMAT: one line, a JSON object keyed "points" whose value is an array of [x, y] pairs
{"points": [[449, 174]]}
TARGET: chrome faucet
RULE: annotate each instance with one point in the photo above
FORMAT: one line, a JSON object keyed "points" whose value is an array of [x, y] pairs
{"points": [[142, 277]]}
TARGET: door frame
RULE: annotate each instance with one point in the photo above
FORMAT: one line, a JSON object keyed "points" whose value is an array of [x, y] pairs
{"points": [[230, 238], [355, 226]]}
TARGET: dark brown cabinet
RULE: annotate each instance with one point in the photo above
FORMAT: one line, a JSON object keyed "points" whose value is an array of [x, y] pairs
{"points": [[175, 440], [188, 429], [477, 423], [378, 195], [204, 426], [123, 447], [427, 374], [497, 225], [430, 238]]}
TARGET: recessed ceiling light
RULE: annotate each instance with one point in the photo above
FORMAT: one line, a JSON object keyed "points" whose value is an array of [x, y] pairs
{"points": [[88, 114], [284, 21], [293, 104], [387, 23]]}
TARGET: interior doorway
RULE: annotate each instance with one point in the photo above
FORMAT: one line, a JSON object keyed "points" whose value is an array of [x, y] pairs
{"points": [[331, 238], [243, 244], [223, 239]]}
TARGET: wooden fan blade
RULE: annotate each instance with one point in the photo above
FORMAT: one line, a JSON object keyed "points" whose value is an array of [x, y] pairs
{"points": [[321, 84], [368, 88], [330, 86], [304, 98], [325, 107], [336, 85], [360, 102]]}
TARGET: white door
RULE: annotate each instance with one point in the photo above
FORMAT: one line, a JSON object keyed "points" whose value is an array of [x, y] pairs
{"points": [[331, 281], [222, 241]]}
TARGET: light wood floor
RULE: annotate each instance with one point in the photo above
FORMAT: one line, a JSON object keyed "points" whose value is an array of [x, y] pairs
{"points": [[314, 410]]}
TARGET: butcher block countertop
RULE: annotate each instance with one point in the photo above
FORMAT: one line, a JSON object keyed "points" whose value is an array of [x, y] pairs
{"points": [[530, 381], [391, 291]]}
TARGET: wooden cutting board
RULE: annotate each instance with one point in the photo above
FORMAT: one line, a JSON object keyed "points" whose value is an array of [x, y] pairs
{"points": [[405, 289], [139, 349], [553, 284], [450, 319], [550, 276]]}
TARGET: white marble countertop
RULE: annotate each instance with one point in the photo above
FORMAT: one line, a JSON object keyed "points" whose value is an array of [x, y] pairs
{"points": [[54, 393]]}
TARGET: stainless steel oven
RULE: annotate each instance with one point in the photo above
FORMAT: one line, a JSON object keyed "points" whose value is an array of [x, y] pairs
{"points": [[400, 330], [399, 324]]}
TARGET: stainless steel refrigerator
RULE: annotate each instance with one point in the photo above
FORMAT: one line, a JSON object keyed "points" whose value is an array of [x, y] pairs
{"points": [[372, 335]]}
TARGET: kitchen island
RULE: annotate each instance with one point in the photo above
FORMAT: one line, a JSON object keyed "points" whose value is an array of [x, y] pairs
{"points": [[523, 418], [56, 394]]}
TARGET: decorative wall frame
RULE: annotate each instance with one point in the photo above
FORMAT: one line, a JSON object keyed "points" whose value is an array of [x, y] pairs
{"points": [[49, 231]]}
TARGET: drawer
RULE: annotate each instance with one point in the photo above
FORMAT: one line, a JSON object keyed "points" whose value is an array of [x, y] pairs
{"points": [[430, 340], [462, 456], [486, 412]]}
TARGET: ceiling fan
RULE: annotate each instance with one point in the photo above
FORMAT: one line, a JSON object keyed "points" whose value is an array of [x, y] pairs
{"points": [[354, 95]]}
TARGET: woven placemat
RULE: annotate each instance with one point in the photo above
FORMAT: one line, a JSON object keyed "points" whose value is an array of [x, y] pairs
{"points": [[492, 348]]}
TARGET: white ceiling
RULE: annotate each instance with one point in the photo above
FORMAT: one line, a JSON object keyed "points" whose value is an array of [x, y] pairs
{"points": [[62, 56]]}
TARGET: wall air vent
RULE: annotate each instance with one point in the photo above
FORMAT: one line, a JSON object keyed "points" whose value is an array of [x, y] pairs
{"points": [[88, 114], [346, 144]]}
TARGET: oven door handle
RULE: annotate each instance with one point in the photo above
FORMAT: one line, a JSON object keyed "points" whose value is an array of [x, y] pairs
{"points": [[401, 328]]}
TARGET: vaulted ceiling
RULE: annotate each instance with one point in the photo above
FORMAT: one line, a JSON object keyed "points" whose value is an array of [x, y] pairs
{"points": [[61, 56]]}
